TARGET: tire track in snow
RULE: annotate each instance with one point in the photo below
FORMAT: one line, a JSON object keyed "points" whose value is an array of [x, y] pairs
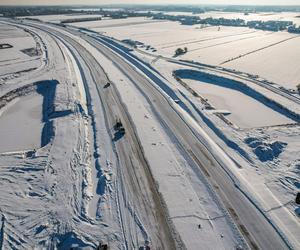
{"points": [[208, 39], [257, 50], [96, 71], [228, 42]]}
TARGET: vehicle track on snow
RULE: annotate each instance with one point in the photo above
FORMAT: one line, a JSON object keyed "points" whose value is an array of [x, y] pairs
{"points": [[252, 223], [136, 174]]}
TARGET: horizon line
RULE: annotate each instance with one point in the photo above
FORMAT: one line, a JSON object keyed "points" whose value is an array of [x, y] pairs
{"points": [[147, 4]]}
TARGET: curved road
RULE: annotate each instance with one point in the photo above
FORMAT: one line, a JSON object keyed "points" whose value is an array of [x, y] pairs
{"points": [[258, 232], [136, 186], [256, 229]]}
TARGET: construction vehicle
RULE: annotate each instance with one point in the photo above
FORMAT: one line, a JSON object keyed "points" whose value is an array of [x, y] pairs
{"points": [[119, 126], [106, 85], [102, 246], [298, 198]]}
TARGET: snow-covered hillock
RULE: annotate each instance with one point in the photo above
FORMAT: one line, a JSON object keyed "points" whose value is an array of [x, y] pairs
{"points": [[264, 150]]}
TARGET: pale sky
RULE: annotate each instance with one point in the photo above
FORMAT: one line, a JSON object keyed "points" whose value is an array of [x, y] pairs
{"points": [[99, 2]]}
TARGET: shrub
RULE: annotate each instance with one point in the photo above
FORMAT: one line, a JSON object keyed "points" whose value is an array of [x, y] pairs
{"points": [[180, 51]]}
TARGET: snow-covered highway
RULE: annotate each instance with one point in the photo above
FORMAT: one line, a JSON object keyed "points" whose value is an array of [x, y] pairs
{"points": [[135, 186], [253, 225], [164, 182]]}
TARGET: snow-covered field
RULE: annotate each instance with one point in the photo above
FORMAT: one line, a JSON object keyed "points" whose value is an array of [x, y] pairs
{"points": [[263, 16], [15, 59], [21, 124], [278, 64], [42, 176], [21, 118], [227, 96], [248, 50], [116, 23]]}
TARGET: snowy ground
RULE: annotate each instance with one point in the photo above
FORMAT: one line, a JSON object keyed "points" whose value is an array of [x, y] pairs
{"points": [[113, 23], [68, 179], [265, 62], [77, 203], [252, 51], [16, 59], [228, 96], [254, 153], [26, 113], [168, 168], [44, 171], [270, 151], [263, 16]]}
